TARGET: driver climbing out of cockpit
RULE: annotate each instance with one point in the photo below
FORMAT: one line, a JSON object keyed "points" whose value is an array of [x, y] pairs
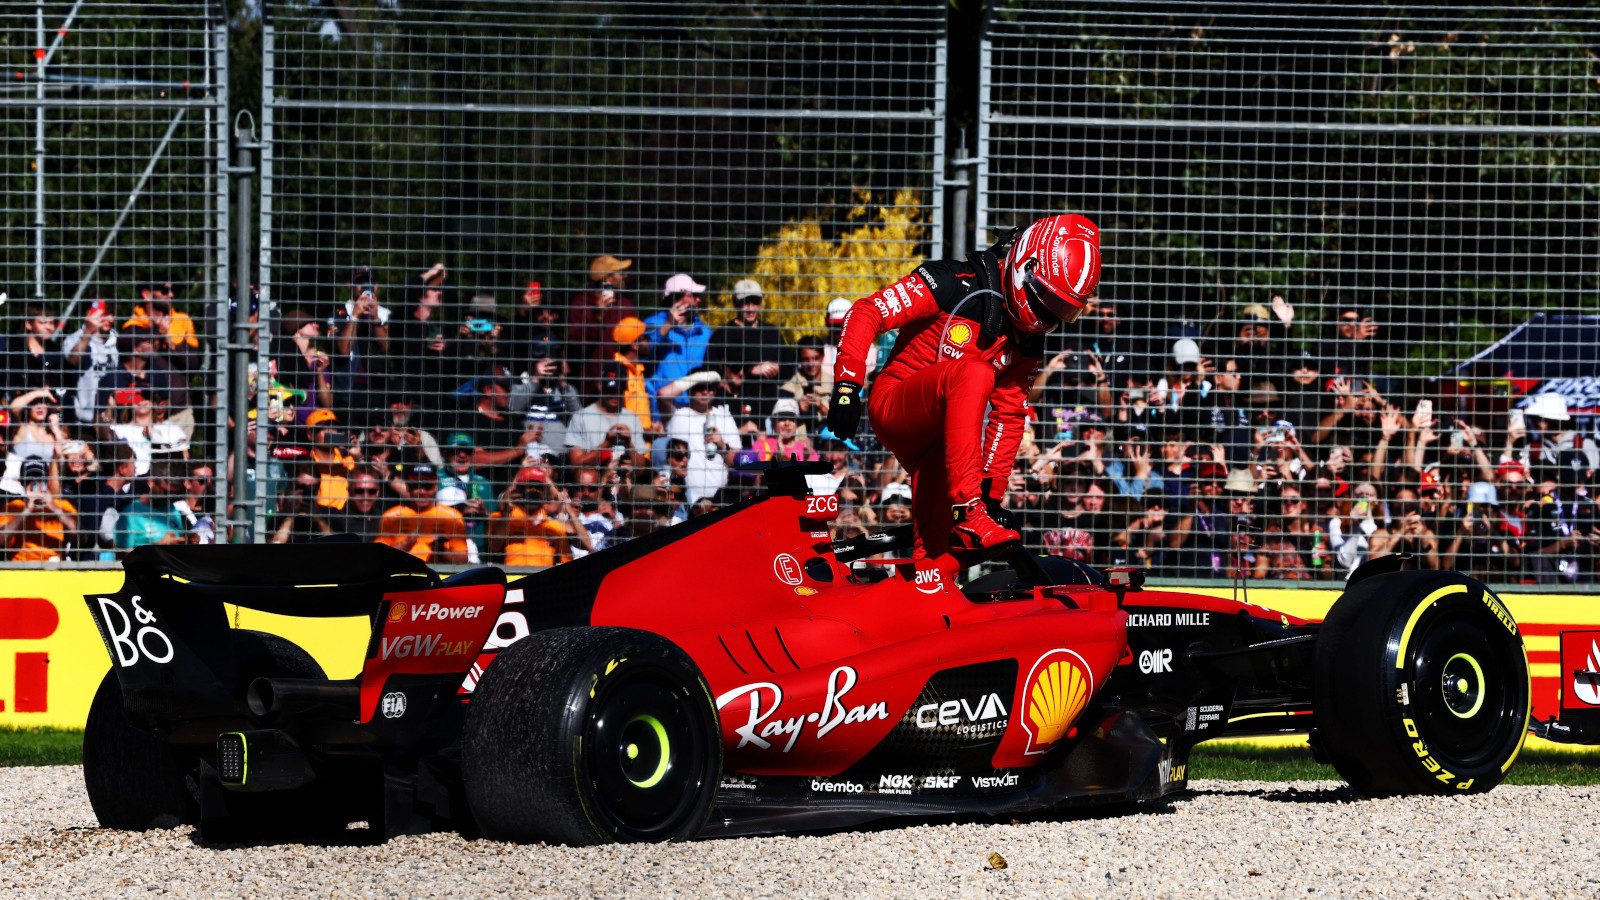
{"points": [[971, 339]]}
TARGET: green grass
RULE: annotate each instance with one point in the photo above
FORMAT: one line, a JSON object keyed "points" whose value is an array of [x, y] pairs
{"points": [[40, 746], [61, 746], [1296, 764]]}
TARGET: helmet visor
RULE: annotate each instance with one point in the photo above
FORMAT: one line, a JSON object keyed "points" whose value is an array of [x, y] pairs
{"points": [[1047, 304]]}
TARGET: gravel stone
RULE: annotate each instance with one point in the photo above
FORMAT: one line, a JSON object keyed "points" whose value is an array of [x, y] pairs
{"points": [[1229, 838]]}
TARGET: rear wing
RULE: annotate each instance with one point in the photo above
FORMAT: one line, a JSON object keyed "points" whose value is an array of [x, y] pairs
{"points": [[167, 633]]}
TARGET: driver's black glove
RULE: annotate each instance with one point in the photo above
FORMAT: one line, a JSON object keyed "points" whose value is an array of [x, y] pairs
{"points": [[844, 410]]}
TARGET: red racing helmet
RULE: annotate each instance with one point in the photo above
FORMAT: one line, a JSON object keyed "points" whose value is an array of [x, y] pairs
{"points": [[1051, 271]]}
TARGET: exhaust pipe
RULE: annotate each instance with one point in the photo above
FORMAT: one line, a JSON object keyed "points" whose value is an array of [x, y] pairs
{"points": [[274, 698]]}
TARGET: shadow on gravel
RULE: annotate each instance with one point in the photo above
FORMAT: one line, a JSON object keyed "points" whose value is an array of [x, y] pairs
{"points": [[225, 840], [1094, 812], [1340, 794]]}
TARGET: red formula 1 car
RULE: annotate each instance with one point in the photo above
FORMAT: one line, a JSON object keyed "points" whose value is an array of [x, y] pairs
{"points": [[744, 673]]}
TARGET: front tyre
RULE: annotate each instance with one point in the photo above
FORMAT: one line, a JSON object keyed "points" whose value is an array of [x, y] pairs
{"points": [[1420, 685], [591, 735]]}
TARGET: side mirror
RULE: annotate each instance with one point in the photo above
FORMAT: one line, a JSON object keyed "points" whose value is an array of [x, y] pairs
{"points": [[1125, 579]]}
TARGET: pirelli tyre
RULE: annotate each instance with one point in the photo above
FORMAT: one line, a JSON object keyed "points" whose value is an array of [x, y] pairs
{"points": [[136, 781], [1420, 685], [589, 736]]}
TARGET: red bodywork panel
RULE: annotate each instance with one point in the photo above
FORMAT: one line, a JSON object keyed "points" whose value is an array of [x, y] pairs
{"points": [[812, 669], [431, 632]]}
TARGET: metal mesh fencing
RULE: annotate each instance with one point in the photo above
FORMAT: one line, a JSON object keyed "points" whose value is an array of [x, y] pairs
{"points": [[1349, 298], [502, 243], [112, 143]]}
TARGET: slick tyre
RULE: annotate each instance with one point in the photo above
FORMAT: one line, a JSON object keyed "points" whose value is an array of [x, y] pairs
{"points": [[1420, 685], [135, 781], [589, 736]]}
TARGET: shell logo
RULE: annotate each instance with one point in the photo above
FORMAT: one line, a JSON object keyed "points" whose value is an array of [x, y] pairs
{"points": [[1058, 688], [397, 611], [960, 334]]}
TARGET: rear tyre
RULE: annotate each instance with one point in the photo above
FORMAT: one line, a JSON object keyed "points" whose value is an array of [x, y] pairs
{"points": [[135, 781], [1420, 685], [589, 736]]}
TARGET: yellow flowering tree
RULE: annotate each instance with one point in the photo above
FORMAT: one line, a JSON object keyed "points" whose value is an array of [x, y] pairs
{"points": [[800, 270]]}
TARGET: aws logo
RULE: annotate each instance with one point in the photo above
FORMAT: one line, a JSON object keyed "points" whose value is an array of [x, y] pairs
{"points": [[1058, 688], [960, 334]]}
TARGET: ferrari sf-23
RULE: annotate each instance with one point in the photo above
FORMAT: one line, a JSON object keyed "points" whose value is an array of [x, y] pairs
{"points": [[742, 673]]}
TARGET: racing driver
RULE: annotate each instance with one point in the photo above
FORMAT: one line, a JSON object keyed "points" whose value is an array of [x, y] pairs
{"points": [[971, 338]]}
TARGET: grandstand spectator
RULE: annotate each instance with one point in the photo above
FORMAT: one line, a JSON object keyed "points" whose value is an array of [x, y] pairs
{"points": [[1104, 335], [196, 501], [156, 312], [302, 363], [1131, 470], [40, 525], [149, 518], [604, 428], [811, 384], [299, 517], [477, 493], [676, 338], [360, 329], [534, 330], [536, 526], [1350, 345], [597, 510], [1552, 442], [422, 527], [748, 349], [895, 500], [498, 435], [636, 398], [596, 312], [1143, 543], [172, 351], [1199, 537], [91, 352], [142, 424], [142, 373], [785, 442], [37, 432], [34, 362], [96, 495], [329, 449], [361, 514], [712, 438], [479, 344]]}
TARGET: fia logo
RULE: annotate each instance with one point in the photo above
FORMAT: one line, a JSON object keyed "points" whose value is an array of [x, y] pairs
{"points": [[394, 705]]}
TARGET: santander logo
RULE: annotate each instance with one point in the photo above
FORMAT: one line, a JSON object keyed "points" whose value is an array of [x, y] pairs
{"points": [[1587, 687]]}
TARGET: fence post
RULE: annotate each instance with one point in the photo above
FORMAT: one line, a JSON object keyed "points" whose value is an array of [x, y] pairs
{"points": [[240, 345]]}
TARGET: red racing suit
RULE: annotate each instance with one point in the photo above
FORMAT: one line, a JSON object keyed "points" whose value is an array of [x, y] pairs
{"points": [[955, 357]]}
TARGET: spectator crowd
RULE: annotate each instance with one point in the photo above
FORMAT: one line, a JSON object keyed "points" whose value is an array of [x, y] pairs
{"points": [[469, 429]]}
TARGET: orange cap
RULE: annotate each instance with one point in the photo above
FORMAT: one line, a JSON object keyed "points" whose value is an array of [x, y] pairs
{"points": [[628, 330]]}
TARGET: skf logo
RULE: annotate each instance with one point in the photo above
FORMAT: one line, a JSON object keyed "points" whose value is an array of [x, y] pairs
{"points": [[1058, 688], [960, 334], [28, 619], [397, 611], [786, 569]]}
